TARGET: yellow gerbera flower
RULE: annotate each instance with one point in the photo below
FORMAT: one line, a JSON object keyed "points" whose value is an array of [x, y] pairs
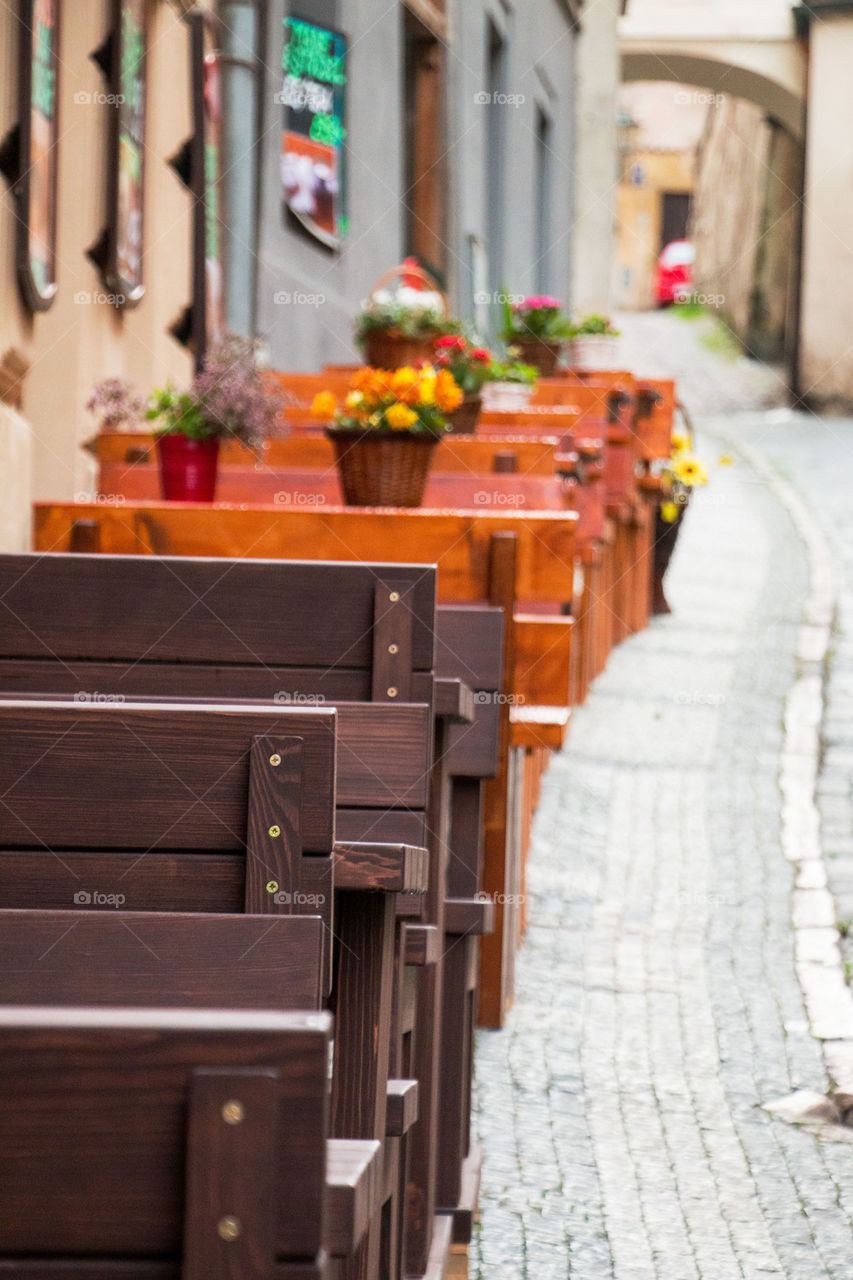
{"points": [[324, 405], [689, 471], [669, 512], [680, 442], [426, 386], [400, 416], [404, 384], [447, 394]]}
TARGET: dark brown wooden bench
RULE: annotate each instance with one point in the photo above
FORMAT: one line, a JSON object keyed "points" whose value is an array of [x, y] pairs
{"points": [[158, 960], [154, 1145]]}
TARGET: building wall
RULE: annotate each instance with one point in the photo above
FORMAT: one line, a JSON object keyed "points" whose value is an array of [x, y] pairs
{"points": [[597, 165], [745, 225], [326, 288], [49, 361], [826, 363]]}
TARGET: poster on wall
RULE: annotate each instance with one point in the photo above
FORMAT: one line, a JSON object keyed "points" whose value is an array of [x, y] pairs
{"points": [[313, 159], [36, 185], [208, 306], [128, 159]]}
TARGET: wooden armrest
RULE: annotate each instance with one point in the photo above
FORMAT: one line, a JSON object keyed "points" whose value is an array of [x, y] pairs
{"points": [[537, 726], [543, 645], [389, 868], [469, 915], [421, 944], [402, 1107], [353, 1192], [454, 699]]}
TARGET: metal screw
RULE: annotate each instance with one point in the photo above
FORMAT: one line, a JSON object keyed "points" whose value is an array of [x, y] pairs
{"points": [[229, 1228], [275, 830], [233, 1112], [392, 692], [272, 886], [392, 648], [394, 597], [275, 760]]}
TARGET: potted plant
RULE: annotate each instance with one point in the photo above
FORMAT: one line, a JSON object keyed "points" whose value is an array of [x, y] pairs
{"points": [[228, 399], [399, 326], [510, 386], [385, 433], [535, 330], [681, 474], [593, 343], [471, 367]]}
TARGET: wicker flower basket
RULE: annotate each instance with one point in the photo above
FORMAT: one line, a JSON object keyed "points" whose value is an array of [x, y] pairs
{"points": [[384, 349], [540, 352], [463, 421], [382, 468], [387, 349]]}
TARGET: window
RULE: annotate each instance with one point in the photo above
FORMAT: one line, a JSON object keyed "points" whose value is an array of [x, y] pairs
{"points": [[425, 177], [542, 191], [495, 153]]}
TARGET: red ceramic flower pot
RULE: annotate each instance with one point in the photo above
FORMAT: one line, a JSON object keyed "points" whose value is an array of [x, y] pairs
{"points": [[187, 468]]}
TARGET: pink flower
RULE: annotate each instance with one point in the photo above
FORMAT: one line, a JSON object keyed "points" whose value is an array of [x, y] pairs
{"points": [[539, 302], [451, 342]]}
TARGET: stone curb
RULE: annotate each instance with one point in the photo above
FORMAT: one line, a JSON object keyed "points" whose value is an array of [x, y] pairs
{"points": [[828, 998]]}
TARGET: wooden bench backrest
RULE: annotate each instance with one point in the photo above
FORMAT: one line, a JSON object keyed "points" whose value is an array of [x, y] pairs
{"points": [[150, 960], [458, 543], [120, 453], [115, 1146]]}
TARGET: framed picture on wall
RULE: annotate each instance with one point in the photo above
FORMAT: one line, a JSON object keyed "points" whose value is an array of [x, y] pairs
{"points": [[208, 303], [124, 267], [34, 170]]}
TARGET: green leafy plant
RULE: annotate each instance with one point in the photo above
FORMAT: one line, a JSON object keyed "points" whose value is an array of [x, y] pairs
{"points": [[536, 317]]}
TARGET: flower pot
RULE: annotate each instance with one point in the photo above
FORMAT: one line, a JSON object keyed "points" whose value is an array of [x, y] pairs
{"points": [[542, 353], [507, 396], [463, 421], [187, 468], [386, 350], [666, 536], [382, 468], [594, 351]]}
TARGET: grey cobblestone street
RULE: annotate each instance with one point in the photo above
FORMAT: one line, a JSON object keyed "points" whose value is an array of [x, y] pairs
{"points": [[658, 1005]]}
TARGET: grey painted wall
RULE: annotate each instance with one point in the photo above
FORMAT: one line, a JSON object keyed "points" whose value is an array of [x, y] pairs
{"points": [[326, 288]]}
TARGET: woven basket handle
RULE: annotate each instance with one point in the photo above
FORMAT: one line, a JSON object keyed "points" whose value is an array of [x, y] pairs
{"points": [[415, 269]]}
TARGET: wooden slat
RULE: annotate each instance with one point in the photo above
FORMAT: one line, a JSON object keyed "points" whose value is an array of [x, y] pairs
{"points": [[422, 944], [458, 543], [67, 772], [469, 915], [454, 700], [136, 958], [203, 611], [542, 658], [93, 1108]]}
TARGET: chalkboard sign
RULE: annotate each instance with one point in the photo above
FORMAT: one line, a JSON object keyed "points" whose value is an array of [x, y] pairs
{"points": [[35, 187], [313, 163]]}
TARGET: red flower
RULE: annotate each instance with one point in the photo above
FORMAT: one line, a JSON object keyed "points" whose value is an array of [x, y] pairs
{"points": [[480, 353], [450, 341]]}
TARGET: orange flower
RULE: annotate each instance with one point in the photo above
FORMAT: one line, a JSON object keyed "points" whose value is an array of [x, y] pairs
{"points": [[447, 394], [399, 417], [324, 406]]}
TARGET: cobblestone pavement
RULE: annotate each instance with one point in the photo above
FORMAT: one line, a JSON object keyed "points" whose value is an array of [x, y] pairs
{"points": [[657, 1001]]}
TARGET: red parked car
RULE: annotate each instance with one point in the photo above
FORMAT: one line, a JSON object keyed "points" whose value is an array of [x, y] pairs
{"points": [[674, 273]]}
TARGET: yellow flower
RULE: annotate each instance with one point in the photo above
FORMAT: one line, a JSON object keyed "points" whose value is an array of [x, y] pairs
{"points": [[324, 405], [447, 394], [399, 416], [680, 442], [669, 512], [426, 387], [404, 384], [726, 460], [355, 403], [689, 471]]}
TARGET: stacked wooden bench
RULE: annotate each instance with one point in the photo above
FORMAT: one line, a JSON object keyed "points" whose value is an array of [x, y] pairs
{"points": [[281, 636]]}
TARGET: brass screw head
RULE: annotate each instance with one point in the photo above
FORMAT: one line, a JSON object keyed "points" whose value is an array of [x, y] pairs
{"points": [[229, 1228], [275, 759], [275, 830], [393, 648], [392, 692], [272, 886], [394, 597], [233, 1111]]}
